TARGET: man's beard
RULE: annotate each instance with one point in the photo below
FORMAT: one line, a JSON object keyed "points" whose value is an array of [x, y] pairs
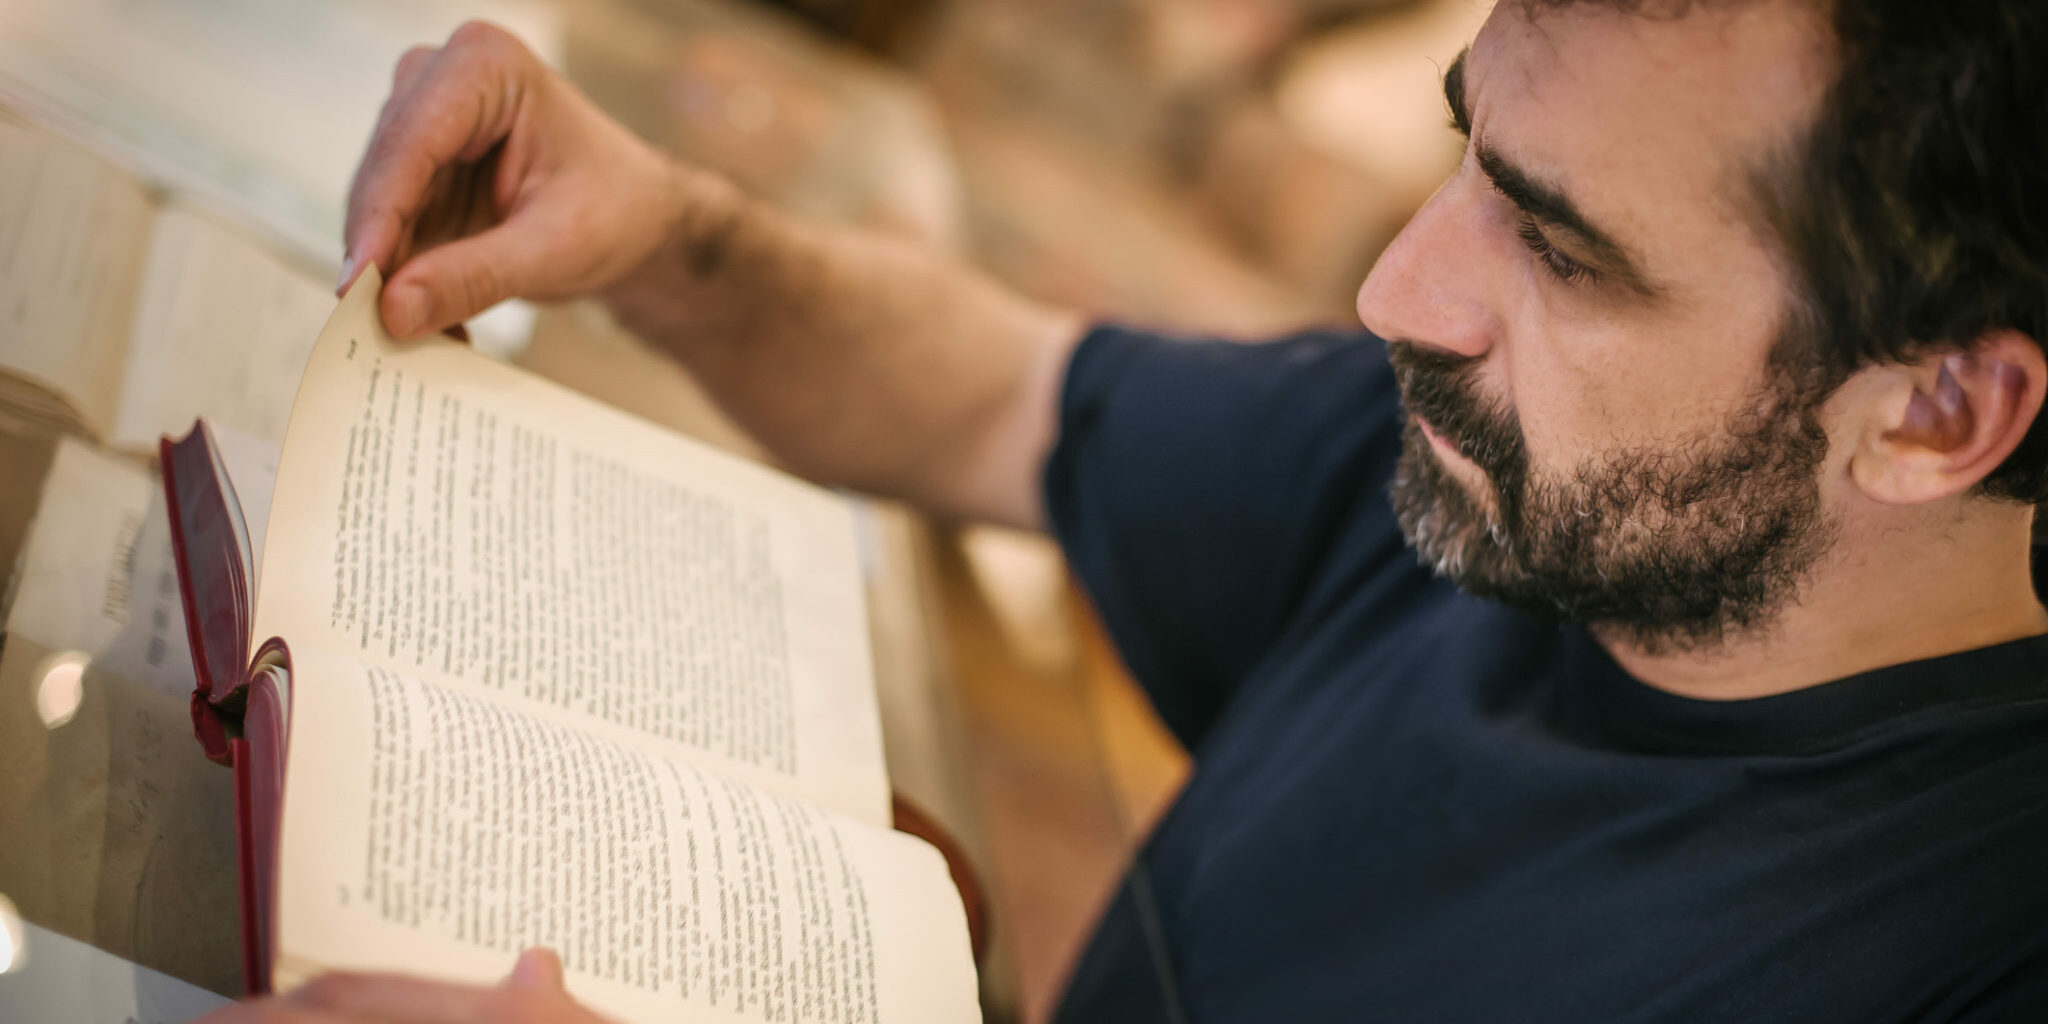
{"points": [[1676, 549]]}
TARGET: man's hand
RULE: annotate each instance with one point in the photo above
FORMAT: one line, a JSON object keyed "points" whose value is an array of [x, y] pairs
{"points": [[857, 360], [533, 994], [489, 177]]}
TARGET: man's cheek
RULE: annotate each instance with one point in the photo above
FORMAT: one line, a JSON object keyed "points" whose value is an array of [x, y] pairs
{"points": [[1551, 443]]}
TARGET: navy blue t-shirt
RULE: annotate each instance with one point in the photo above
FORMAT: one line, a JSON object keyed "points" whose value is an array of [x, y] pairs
{"points": [[1409, 804]]}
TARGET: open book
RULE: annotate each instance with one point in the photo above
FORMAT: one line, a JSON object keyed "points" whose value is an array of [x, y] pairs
{"points": [[125, 317], [517, 669]]}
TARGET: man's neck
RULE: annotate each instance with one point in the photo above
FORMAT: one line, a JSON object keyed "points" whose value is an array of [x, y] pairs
{"points": [[1881, 597]]}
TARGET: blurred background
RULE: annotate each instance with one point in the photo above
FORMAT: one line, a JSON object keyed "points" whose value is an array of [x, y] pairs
{"points": [[1222, 167]]}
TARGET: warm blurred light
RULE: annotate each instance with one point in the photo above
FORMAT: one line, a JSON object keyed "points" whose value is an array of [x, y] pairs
{"points": [[62, 688], [750, 108], [13, 943]]}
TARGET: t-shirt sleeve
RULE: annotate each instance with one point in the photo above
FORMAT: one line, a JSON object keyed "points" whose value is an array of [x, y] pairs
{"points": [[1202, 489]]}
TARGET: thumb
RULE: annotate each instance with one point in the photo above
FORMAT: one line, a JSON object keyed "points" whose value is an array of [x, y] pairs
{"points": [[454, 281], [538, 970]]}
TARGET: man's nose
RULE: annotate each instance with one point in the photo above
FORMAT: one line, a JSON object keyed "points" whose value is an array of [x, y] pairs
{"points": [[1429, 286]]}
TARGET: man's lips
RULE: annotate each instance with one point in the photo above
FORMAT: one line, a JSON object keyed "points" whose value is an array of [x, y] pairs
{"points": [[1437, 439], [1447, 449]]}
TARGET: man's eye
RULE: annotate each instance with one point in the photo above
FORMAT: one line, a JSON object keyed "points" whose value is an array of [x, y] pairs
{"points": [[1560, 266]]}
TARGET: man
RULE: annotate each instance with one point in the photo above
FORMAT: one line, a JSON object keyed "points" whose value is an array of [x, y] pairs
{"points": [[1721, 690]]}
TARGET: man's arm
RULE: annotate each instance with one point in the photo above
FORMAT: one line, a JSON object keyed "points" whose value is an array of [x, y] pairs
{"points": [[858, 361]]}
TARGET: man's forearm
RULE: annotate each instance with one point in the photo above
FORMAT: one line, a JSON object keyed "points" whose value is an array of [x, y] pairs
{"points": [[859, 361]]}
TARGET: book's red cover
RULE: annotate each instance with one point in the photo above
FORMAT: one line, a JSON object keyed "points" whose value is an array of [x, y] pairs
{"points": [[266, 728], [211, 582], [238, 724]]}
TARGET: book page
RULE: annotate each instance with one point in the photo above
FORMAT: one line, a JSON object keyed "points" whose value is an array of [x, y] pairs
{"points": [[221, 329], [71, 239], [113, 828], [117, 830], [455, 519], [251, 467], [427, 830], [96, 576]]}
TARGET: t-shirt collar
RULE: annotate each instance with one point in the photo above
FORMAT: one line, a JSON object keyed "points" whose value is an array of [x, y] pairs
{"points": [[1808, 720]]}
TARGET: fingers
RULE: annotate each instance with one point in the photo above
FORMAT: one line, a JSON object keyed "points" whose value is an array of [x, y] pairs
{"points": [[410, 64], [450, 283], [270, 1011], [535, 982], [533, 991], [538, 969], [391, 997], [447, 105]]}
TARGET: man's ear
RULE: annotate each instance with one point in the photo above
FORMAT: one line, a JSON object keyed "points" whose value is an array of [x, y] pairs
{"points": [[1942, 424]]}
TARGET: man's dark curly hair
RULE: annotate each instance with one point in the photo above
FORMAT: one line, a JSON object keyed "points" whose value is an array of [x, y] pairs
{"points": [[1916, 211]]}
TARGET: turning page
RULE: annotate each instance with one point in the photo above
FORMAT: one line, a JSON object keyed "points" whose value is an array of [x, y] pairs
{"points": [[454, 519], [426, 829]]}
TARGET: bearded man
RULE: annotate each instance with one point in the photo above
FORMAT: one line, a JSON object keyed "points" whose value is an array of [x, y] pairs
{"points": [[1706, 391]]}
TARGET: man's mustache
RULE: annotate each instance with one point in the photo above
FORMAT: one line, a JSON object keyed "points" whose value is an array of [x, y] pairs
{"points": [[1440, 388]]}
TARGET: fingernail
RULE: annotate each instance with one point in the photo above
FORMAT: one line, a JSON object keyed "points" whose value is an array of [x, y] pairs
{"points": [[526, 971], [408, 305], [348, 270], [536, 969]]}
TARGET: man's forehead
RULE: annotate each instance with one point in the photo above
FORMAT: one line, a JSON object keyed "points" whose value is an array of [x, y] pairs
{"points": [[1636, 114]]}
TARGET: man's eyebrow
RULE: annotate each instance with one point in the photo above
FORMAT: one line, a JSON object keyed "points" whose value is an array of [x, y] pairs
{"points": [[1549, 204]]}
